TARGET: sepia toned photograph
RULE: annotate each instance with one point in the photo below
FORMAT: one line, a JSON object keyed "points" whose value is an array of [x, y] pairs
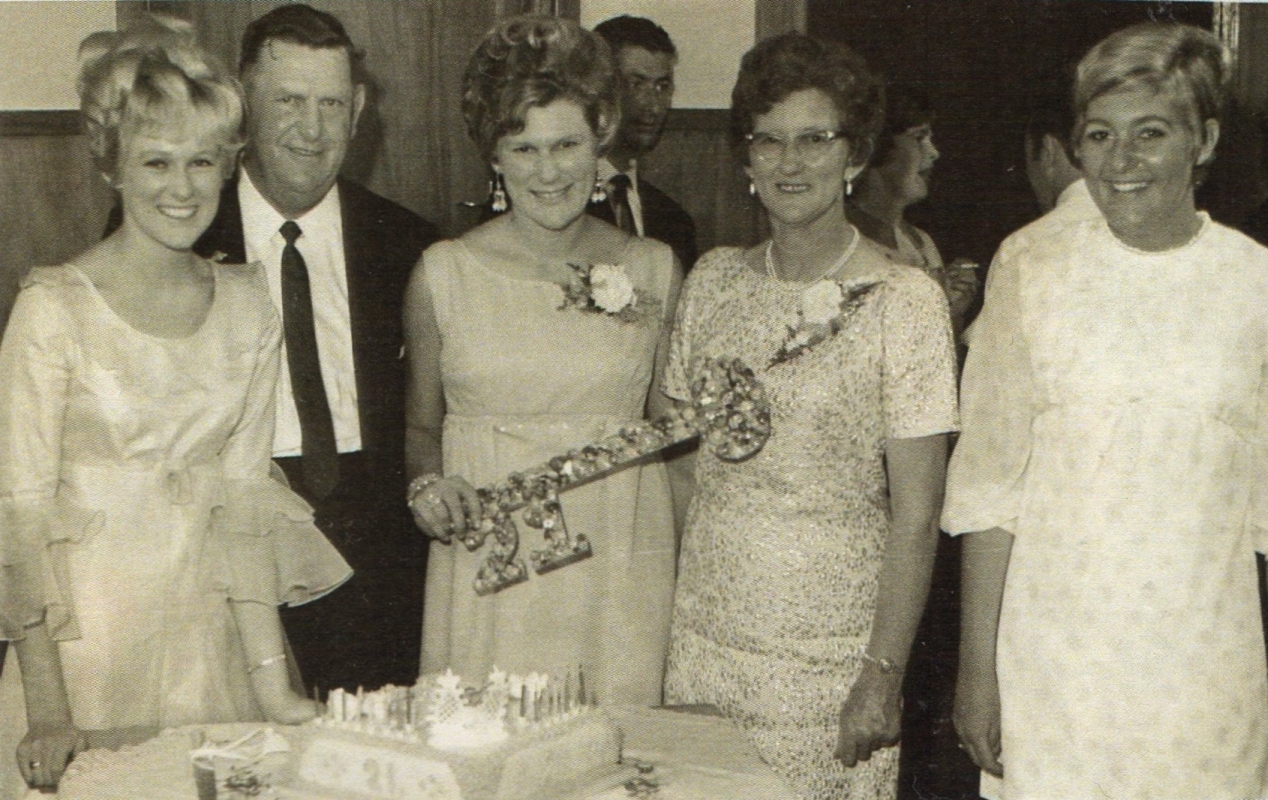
{"points": [[606, 399]]}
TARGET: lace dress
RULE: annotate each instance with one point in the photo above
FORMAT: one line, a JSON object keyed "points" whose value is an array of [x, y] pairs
{"points": [[782, 553], [1116, 423], [136, 498], [525, 381]]}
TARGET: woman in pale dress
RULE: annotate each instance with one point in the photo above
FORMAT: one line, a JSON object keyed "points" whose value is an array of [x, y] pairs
{"points": [[804, 569], [1111, 475], [502, 378], [146, 546], [898, 177]]}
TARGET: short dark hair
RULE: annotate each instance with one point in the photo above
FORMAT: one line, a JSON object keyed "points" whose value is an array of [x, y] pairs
{"points": [[780, 65], [906, 107], [530, 61], [298, 24], [628, 31], [1050, 111]]}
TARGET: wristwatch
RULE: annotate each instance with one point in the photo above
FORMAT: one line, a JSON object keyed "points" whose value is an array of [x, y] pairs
{"points": [[886, 665]]}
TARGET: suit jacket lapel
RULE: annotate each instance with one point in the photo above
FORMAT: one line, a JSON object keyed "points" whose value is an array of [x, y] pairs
{"points": [[358, 250]]}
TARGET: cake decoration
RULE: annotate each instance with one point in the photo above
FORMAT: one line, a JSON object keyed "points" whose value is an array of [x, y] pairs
{"points": [[236, 768]]}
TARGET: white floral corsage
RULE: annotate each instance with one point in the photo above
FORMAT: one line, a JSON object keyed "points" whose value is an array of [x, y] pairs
{"points": [[825, 306], [602, 289]]}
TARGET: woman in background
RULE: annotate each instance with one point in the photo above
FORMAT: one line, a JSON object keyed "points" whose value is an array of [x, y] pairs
{"points": [[502, 378], [897, 178], [146, 546], [1111, 474], [804, 569]]}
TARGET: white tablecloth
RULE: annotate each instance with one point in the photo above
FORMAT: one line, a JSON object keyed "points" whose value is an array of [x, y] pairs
{"points": [[695, 757], [691, 756]]}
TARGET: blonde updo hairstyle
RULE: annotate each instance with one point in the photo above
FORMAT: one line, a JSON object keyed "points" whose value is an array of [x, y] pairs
{"points": [[1186, 62], [155, 75], [531, 61]]}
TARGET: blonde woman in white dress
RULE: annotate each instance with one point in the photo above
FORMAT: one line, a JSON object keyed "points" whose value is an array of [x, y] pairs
{"points": [[1111, 471]]}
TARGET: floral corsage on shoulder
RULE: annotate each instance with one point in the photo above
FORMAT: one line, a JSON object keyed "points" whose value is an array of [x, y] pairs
{"points": [[825, 308], [603, 289]]}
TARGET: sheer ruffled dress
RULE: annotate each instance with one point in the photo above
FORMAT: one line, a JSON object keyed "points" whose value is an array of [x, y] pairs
{"points": [[782, 553], [136, 501], [525, 381]]}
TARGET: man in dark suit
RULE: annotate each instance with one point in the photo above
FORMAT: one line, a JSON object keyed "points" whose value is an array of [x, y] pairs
{"points": [[645, 59], [340, 409]]}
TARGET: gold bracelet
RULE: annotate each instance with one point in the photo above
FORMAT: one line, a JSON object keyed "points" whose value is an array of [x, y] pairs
{"points": [[421, 484], [266, 662]]}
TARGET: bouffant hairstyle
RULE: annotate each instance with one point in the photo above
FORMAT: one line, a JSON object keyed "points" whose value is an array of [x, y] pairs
{"points": [[1164, 56], [781, 65], [297, 24], [154, 75], [628, 31], [906, 107], [529, 62]]}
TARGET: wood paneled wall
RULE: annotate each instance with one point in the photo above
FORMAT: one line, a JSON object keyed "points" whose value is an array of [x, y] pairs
{"points": [[53, 204], [694, 163]]}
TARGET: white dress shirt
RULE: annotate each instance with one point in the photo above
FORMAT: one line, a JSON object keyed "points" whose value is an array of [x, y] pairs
{"points": [[606, 171], [321, 245]]}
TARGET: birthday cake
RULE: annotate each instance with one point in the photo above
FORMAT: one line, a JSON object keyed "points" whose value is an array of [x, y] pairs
{"points": [[529, 738]]}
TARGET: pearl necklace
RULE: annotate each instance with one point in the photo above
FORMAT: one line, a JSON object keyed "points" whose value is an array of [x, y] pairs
{"points": [[836, 265]]}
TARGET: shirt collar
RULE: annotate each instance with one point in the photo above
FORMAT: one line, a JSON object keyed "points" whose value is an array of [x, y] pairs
{"points": [[260, 217]]}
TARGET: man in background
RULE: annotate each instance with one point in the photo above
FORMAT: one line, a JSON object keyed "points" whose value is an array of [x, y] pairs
{"points": [[645, 59], [1055, 179], [1058, 185]]}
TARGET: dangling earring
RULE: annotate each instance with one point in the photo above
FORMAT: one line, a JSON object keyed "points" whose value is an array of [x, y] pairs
{"points": [[497, 200], [752, 189], [600, 192], [849, 187]]}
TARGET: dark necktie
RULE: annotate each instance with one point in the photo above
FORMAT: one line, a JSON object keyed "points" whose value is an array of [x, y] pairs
{"points": [[619, 200], [317, 430]]}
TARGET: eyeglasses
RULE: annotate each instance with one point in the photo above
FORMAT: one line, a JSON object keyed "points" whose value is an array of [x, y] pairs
{"points": [[812, 146]]}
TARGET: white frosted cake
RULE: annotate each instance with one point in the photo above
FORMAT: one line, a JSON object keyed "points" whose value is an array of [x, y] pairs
{"points": [[514, 739]]}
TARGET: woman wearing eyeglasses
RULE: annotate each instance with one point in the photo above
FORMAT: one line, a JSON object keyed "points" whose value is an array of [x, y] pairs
{"points": [[804, 569]]}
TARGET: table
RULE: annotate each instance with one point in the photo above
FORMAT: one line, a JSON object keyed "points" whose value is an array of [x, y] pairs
{"points": [[697, 756], [685, 755]]}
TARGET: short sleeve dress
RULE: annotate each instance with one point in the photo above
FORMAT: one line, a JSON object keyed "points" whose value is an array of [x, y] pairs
{"points": [[782, 553], [524, 381], [1115, 420], [136, 499]]}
